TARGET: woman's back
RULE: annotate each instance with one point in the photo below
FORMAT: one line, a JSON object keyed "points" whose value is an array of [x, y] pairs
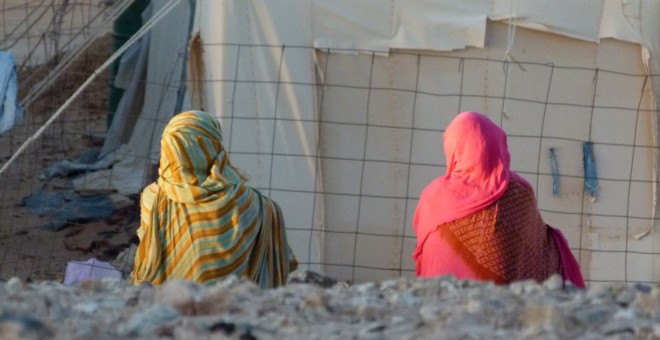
{"points": [[480, 220], [200, 221], [505, 242]]}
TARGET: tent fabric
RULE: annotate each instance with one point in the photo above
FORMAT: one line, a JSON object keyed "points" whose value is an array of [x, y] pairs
{"points": [[420, 24], [431, 25], [575, 19], [133, 160], [449, 25], [621, 20], [130, 74], [252, 48]]}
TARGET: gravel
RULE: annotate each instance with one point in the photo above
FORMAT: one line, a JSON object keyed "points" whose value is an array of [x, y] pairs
{"points": [[311, 306]]}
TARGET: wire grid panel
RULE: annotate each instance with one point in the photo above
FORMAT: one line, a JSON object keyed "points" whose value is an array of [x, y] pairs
{"points": [[349, 201], [388, 145], [348, 167], [29, 247], [35, 31], [26, 249], [41, 35]]}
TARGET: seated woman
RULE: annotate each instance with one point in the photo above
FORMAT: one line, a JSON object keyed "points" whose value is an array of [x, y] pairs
{"points": [[200, 222], [480, 220]]}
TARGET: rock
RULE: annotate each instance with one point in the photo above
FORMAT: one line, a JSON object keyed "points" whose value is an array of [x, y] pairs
{"points": [[146, 322], [554, 282], [541, 318], [306, 276], [14, 285], [401, 308], [650, 303], [23, 326], [182, 295]]}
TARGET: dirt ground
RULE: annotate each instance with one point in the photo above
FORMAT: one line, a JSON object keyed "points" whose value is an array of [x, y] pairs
{"points": [[26, 250]]}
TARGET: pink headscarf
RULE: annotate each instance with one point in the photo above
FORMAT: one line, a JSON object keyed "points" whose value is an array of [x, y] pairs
{"points": [[477, 174]]}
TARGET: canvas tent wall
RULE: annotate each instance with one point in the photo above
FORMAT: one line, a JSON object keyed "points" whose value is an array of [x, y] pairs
{"points": [[336, 109]]}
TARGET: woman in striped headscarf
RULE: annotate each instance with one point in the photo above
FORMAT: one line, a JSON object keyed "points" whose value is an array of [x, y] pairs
{"points": [[200, 222]]}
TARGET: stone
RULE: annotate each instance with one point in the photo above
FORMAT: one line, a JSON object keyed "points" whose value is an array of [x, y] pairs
{"points": [[180, 294], [400, 308], [23, 326], [147, 321]]}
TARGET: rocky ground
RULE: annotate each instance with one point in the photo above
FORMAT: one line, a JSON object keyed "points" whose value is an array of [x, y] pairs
{"points": [[314, 307]]}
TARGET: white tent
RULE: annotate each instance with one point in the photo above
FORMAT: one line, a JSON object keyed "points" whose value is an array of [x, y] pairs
{"points": [[336, 109]]}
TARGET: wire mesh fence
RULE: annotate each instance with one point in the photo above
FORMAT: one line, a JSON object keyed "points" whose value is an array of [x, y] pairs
{"points": [[56, 45], [347, 173]]}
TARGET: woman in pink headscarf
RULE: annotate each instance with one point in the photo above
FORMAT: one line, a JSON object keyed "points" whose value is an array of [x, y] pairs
{"points": [[480, 220]]}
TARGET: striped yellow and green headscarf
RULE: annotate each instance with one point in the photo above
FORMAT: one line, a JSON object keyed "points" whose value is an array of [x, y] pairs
{"points": [[199, 221]]}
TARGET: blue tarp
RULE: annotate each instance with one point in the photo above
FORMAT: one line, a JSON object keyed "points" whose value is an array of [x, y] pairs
{"points": [[590, 173], [10, 110], [555, 172], [65, 207]]}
